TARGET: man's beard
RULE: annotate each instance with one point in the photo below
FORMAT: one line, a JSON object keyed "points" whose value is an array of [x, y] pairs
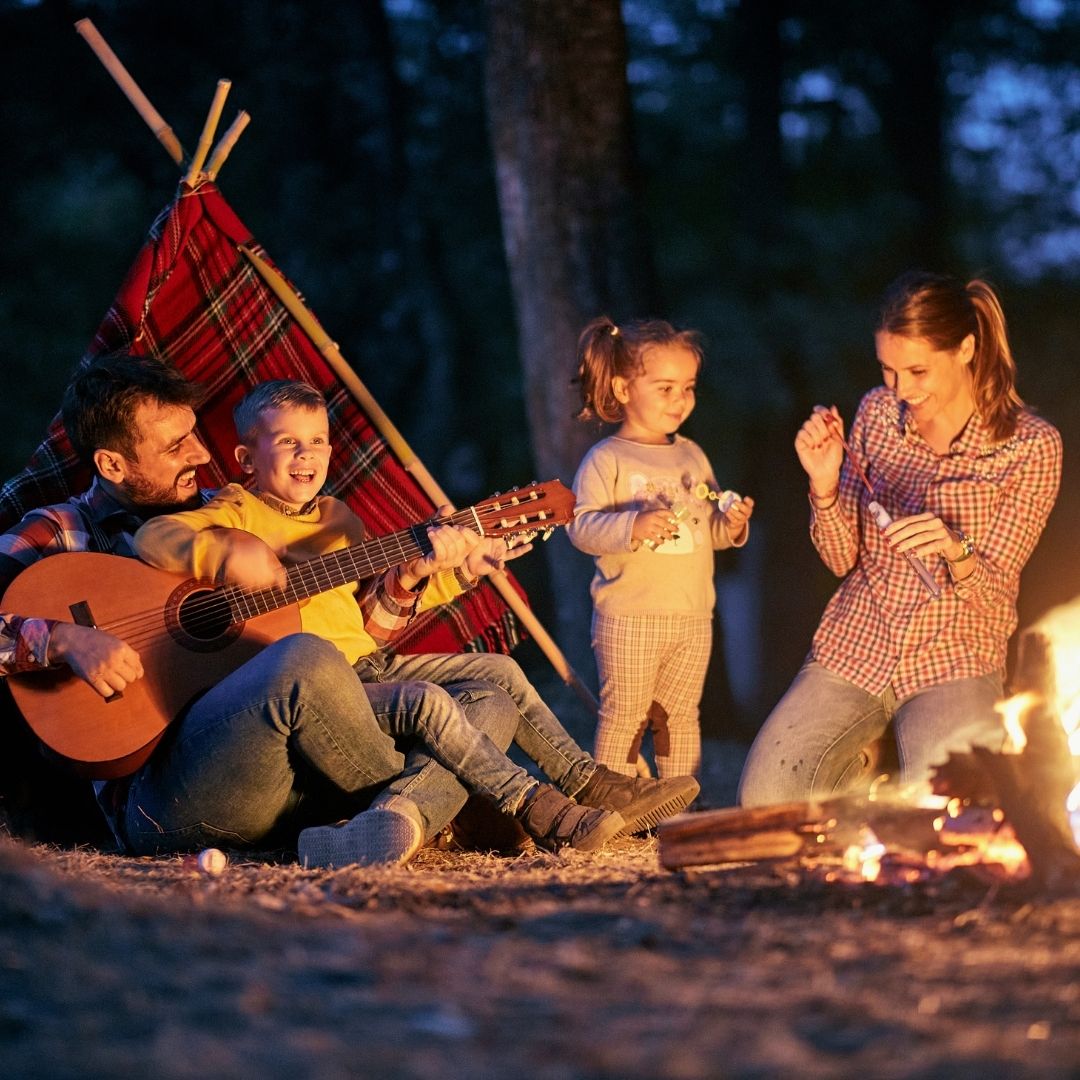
{"points": [[153, 499]]}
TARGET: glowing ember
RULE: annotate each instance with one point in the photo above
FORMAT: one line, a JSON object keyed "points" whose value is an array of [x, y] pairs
{"points": [[863, 860]]}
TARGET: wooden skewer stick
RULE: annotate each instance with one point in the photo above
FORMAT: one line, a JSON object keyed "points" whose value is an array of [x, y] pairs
{"points": [[154, 120], [225, 144], [385, 426], [208, 131]]}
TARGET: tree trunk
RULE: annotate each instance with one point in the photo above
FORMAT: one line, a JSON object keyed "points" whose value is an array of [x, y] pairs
{"points": [[559, 111]]}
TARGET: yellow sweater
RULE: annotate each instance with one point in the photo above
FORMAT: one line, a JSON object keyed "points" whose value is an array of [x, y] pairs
{"points": [[183, 543]]}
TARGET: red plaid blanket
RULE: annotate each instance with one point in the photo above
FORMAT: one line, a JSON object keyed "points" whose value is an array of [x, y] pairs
{"points": [[192, 298]]}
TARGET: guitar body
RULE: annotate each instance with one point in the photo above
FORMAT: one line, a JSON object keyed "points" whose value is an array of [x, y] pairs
{"points": [[182, 657]]}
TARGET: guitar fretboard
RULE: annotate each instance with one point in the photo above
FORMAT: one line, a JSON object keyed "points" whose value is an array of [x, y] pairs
{"points": [[342, 567]]}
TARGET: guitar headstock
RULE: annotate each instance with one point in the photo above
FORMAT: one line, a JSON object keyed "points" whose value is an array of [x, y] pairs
{"points": [[521, 512]]}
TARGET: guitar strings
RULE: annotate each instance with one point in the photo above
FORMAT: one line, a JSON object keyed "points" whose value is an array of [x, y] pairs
{"points": [[221, 606], [218, 607]]}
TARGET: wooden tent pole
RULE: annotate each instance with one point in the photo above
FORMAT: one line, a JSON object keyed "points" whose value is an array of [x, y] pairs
{"points": [[213, 117], [412, 463], [225, 145], [164, 134]]}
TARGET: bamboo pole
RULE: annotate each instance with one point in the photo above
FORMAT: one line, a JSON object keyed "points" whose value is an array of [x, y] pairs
{"points": [[162, 132], [224, 147], [213, 117], [412, 463]]}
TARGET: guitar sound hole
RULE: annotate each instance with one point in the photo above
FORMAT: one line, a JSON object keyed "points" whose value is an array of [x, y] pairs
{"points": [[199, 618]]}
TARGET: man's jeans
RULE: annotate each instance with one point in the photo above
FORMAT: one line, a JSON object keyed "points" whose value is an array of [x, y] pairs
{"points": [[811, 744], [229, 770], [425, 695]]}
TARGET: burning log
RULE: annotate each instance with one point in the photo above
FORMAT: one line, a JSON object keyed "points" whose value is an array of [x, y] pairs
{"points": [[1031, 787], [820, 829]]}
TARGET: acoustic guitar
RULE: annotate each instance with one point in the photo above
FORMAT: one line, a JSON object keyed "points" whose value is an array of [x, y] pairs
{"points": [[191, 633]]}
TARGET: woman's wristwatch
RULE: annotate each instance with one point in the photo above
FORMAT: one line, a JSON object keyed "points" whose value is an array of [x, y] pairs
{"points": [[967, 548]]}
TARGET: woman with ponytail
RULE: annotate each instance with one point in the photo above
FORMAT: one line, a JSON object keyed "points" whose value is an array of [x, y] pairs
{"points": [[928, 510]]}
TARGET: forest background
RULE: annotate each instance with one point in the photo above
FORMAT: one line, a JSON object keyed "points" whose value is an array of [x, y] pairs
{"points": [[457, 187]]}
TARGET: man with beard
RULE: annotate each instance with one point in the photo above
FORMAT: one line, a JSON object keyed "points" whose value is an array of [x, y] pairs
{"points": [[236, 758]]}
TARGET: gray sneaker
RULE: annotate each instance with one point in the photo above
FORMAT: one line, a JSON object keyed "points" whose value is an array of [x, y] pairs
{"points": [[374, 838]]}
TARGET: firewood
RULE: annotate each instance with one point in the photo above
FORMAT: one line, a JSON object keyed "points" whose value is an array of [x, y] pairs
{"points": [[819, 829]]}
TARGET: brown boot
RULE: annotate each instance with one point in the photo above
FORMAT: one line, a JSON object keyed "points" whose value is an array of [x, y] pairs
{"points": [[554, 821], [481, 826], [642, 801]]}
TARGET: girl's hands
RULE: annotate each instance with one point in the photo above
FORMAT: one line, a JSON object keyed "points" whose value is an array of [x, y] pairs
{"points": [[653, 527], [737, 515], [820, 450]]}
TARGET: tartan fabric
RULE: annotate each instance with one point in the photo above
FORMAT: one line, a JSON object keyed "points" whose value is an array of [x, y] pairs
{"points": [[193, 299], [882, 627]]}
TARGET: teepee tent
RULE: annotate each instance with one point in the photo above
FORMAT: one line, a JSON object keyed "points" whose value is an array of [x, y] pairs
{"points": [[205, 296]]}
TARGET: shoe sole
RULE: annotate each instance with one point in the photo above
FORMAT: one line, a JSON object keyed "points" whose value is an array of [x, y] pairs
{"points": [[612, 826], [373, 838], [648, 817]]}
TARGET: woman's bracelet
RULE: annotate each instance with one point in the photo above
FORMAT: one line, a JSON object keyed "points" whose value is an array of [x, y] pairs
{"points": [[967, 549], [824, 502]]}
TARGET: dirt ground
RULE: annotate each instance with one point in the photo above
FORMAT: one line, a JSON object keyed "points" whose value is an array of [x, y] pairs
{"points": [[540, 966]]}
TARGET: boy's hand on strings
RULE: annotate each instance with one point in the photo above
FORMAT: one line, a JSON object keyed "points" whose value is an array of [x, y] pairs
{"points": [[653, 527], [737, 515], [450, 545], [821, 450], [104, 662], [249, 561]]}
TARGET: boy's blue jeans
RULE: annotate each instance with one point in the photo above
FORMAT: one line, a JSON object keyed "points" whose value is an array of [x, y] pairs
{"points": [[467, 708], [810, 745]]}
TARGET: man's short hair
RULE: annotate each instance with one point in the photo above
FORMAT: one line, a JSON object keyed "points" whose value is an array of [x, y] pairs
{"points": [[273, 394], [105, 392]]}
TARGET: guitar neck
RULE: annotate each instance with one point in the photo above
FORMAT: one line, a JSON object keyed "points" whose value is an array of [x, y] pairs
{"points": [[355, 563]]}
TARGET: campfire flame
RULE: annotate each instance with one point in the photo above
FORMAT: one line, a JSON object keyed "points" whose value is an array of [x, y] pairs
{"points": [[1061, 625], [1011, 711]]}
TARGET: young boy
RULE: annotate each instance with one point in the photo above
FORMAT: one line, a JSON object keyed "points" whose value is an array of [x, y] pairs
{"points": [[244, 537]]}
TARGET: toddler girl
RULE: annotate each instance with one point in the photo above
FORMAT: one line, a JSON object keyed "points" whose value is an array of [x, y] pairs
{"points": [[649, 510]]}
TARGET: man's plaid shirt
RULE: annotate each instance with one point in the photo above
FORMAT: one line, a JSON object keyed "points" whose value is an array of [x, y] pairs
{"points": [[882, 627]]}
